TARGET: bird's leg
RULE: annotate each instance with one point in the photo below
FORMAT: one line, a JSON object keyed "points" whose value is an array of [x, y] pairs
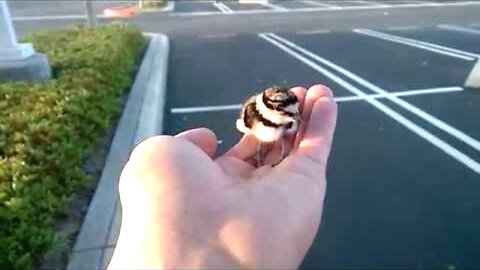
{"points": [[283, 150], [259, 154]]}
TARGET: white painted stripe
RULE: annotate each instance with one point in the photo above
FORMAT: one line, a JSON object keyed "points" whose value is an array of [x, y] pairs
{"points": [[402, 28], [227, 9], [412, 43], [316, 3], [301, 10], [459, 29], [404, 93], [273, 7], [439, 143], [418, 2], [223, 8], [218, 7], [214, 36], [407, 106], [313, 32], [448, 49], [432, 4], [193, 14], [370, 3], [206, 108], [337, 99]]}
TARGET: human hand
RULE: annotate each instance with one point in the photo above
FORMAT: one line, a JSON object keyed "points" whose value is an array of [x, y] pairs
{"points": [[183, 209]]}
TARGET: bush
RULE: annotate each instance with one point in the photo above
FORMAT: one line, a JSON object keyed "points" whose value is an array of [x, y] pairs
{"points": [[154, 3], [48, 130]]}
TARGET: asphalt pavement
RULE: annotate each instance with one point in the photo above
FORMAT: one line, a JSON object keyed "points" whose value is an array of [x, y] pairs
{"points": [[404, 172]]}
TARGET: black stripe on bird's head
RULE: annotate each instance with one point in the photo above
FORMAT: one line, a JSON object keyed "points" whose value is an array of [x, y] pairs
{"points": [[278, 98]]}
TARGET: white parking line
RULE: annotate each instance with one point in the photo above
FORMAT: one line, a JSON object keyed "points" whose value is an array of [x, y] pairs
{"points": [[458, 29], [198, 109], [313, 32], [222, 7], [315, 3], [371, 3], [402, 28], [215, 36], [293, 50], [418, 2], [407, 106], [320, 9], [272, 6], [405, 93], [419, 44], [337, 99]]}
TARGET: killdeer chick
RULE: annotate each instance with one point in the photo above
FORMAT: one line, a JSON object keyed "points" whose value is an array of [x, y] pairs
{"points": [[270, 116]]}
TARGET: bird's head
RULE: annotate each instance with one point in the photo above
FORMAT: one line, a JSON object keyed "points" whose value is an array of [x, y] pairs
{"points": [[281, 100]]}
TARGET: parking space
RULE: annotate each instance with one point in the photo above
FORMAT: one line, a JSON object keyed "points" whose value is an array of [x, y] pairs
{"points": [[458, 108], [393, 201], [450, 37], [403, 175], [230, 70], [392, 66]]}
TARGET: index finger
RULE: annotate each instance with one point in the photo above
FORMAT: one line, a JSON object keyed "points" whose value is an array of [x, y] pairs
{"points": [[317, 136]]}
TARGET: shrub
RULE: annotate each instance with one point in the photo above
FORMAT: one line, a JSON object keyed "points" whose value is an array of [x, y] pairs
{"points": [[48, 130], [154, 3]]}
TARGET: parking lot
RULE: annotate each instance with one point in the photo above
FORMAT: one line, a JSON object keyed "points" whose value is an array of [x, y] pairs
{"points": [[404, 172]]}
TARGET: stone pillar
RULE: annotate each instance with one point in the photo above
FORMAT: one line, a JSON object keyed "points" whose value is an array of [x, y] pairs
{"points": [[19, 61]]}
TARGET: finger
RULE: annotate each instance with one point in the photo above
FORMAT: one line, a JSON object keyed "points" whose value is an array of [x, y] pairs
{"points": [[318, 135], [300, 92], [204, 138], [245, 148], [313, 93]]}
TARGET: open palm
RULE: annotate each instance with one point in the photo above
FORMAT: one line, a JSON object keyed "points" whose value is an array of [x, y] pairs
{"points": [[184, 209]]}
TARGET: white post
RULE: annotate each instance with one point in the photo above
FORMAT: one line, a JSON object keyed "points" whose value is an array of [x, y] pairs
{"points": [[91, 17], [9, 47]]}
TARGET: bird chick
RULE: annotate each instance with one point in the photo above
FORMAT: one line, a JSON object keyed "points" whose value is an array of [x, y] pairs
{"points": [[270, 116]]}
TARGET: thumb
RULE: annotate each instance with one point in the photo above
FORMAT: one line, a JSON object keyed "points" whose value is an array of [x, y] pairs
{"points": [[203, 138]]}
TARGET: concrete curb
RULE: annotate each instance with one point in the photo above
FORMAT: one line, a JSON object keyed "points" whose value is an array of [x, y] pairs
{"points": [[141, 118], [473, 79], [170, 7]]}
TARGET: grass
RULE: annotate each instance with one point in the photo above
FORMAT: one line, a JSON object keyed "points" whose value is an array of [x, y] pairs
{"points": [[47, 131]]}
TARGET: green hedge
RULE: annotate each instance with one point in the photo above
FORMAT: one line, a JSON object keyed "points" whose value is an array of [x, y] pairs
{"points": [[48, 130]]}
